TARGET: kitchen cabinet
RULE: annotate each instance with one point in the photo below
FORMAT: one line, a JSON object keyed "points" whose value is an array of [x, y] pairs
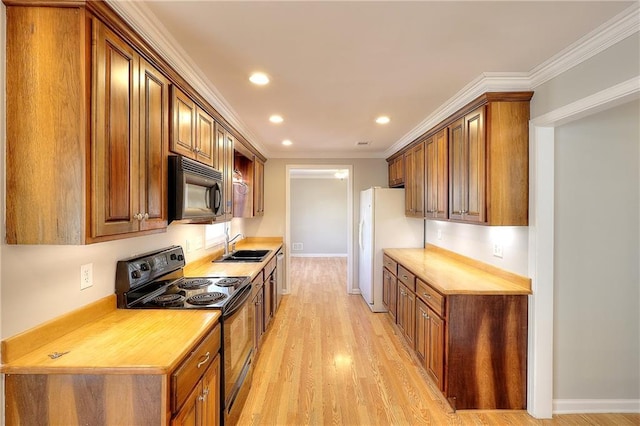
{"points": [[437, 176], [202, 407], [152, 367], [471, 343], [406, 303], [258, 187], [414, 160], [224, 158], [389, 285], [467, 163], [193, 129], [258, 303], [396, 172], [128, 163]]}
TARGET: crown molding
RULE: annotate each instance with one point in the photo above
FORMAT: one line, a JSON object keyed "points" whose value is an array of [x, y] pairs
{"points": [[611, 32], [606, 35], [604, 99]]}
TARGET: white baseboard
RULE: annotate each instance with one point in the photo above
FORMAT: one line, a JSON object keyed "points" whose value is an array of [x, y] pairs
{"points": [[574, 406], [318, 255]]}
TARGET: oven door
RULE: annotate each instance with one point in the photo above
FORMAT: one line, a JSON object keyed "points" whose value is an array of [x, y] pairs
{"points": [[237, 333]]}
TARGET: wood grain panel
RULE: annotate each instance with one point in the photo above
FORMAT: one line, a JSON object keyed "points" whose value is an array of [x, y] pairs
{"points": [[46, 121], [487, 366], [85, 399], [474, 139], [508, 155]]}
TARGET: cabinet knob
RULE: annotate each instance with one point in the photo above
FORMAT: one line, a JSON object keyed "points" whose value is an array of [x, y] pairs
{"points": [[146, 216], [428, 296]]}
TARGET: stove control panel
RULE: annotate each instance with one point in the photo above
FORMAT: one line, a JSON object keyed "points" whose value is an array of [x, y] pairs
{"points": [[142, 269]]}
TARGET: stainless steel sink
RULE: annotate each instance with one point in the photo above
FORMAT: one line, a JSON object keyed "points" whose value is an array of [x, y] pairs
{"points": [[245, 256]]}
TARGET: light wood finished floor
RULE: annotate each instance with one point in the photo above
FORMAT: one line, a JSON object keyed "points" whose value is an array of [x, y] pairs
{"points": [[327, 359]]}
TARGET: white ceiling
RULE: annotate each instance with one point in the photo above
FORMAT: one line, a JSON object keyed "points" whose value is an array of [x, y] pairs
{"points": [[335, 66]]}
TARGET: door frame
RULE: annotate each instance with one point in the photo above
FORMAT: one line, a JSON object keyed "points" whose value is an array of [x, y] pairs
{"points": [[349, 178], [541, 234]]}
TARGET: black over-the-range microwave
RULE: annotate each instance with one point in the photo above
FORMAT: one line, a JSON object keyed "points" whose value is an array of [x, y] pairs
{"points": [[195, 191]]}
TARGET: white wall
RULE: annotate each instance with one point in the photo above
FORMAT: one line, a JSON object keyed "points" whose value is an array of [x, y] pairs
{"points": [[477, 242], [597, 247], [50, 275], [318, 217]]}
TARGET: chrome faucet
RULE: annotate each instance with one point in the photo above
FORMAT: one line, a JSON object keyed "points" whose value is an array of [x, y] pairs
{"points": [[228, 241]]}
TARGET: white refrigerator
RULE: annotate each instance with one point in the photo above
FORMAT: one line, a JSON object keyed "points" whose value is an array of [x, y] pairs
{"points": [[382, 225]]}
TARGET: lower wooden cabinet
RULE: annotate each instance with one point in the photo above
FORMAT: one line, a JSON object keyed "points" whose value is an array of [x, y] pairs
{"points": [[406, 303], [472, 346], [188, 395], [202, 407], [258, 303]]}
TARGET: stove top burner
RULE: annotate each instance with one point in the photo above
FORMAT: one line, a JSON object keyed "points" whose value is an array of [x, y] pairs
{"points": [[228, 282], [191, 284], [169, 300], [206, 298]]}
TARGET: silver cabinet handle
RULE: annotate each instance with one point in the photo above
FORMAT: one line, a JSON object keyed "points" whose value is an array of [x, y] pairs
{"points": [[205, 360], [428, 296], [146, 216]]}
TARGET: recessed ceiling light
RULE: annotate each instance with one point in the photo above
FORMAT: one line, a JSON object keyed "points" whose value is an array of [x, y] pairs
{"points": [[259, 78], [286, 142], [383, 119], [276, 119]]}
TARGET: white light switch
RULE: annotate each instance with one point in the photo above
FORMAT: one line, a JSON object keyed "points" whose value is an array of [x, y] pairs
{"points": [[497, 250]]}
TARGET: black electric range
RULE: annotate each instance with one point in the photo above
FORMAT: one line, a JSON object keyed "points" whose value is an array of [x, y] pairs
{"points": [[155, 280]]}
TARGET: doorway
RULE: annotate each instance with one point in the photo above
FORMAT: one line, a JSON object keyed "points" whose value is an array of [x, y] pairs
{"points": [[320, 173]]}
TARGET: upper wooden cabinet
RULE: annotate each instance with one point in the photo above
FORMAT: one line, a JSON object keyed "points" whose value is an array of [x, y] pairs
{"points": [[396, 172], [414, 181], [477, 164], [258, 187], [224, 158], [87, 131], [128, 161], [193, 130], [437, 176], [489, 162]]}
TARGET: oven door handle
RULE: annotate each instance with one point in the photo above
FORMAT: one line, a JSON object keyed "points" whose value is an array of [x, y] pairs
{"points": [[239, 301]]}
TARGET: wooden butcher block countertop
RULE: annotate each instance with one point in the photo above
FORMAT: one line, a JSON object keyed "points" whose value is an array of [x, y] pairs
{"points": [[207, 268], [451, 273], [101, 339]]}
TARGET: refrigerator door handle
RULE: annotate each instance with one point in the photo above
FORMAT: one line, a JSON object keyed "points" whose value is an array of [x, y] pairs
{"points": [[360, 234]]}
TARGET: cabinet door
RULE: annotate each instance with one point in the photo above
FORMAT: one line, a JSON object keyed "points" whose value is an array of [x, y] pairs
{"points": [[268, 301], [211, 394], [401, 309], [258, 302], [467, 168], [414, 181], [205, 146], [154, 139], [410, 318], [409, 183], [393, 297], [114, 161], [183, 133], [422, 332], [435, 348], [386, 286], [437, 179], [474, 138], [191, 412], [225, 165], [258, 187], [457, 170]]}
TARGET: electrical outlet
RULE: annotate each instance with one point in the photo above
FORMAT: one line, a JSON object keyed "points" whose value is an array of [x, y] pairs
{"points": [[497, 250], [86, 276], [296, 246], [439, 234]]}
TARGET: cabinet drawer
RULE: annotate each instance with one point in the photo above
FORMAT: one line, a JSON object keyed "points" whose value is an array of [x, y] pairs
{"points": [[270, 267], [407, 278], [431, 297], [390, 264], [186, 376]]}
